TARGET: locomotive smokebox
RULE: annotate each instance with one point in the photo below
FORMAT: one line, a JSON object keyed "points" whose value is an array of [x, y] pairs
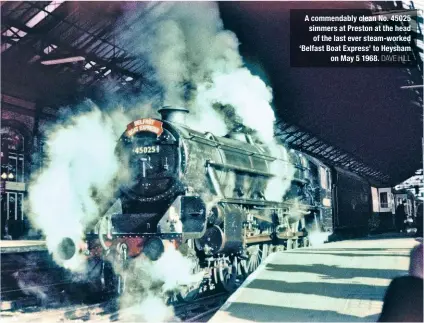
{"points": [[173, 114]]}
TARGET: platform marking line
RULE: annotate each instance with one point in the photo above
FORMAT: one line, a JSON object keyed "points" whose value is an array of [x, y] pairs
{"points": [[248, 280]]}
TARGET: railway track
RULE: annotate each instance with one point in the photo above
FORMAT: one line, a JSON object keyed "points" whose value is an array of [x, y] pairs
{"points": [[52, 294], [61, 306], [203, 309], [67, 313], [64, 308], [189, 312], [40, 291], [205, 316], [109, 311]]}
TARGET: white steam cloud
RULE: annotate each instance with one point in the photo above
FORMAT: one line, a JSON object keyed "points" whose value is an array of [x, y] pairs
{"points": [[151, 283], [80, 165], [247, 93], [284, 173], [197, 64], [318, 237], [171, 49]]}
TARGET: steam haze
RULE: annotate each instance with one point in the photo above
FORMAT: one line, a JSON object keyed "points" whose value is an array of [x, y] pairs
{"points": [[197, 64], [149, 284], [67, 193]]}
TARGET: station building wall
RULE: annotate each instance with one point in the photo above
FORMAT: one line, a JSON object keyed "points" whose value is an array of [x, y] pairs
{"points": [[21, 148]]}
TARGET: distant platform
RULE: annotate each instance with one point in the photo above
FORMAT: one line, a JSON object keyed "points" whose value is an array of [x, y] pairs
{"points": [[335, 282], [17, 246]]}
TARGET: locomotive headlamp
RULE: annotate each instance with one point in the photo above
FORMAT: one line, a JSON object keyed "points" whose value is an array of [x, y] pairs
{"points": [[154, 248], [10, 176], [326, 202], [4, 175]]}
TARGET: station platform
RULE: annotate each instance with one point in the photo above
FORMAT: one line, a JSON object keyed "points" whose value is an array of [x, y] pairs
{"points": [[335, 282], [18, 246]]}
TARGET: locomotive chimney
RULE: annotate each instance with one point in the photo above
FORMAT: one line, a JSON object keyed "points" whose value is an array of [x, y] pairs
{"points": [[238, 133], [173, 114]]}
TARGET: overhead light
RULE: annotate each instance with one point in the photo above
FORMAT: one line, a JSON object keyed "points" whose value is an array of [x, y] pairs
{"points": [[89, 65], [44, 13], [13, 32], [63, 60], [5, 46], [412, 86], [4, 175], [49, 49], [34, 59]]}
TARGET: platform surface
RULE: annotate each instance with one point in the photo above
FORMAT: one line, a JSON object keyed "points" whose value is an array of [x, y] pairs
{"points": [[335, 282], [17, 246]]}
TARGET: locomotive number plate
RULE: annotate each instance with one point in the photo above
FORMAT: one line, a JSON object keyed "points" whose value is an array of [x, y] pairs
{"points": [[146, 150]]}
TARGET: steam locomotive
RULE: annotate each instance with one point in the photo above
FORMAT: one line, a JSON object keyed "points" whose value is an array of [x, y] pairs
{"points": [[225, 202]]}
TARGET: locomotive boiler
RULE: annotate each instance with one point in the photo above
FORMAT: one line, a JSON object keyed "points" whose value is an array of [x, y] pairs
{"points": [[225, 202]]}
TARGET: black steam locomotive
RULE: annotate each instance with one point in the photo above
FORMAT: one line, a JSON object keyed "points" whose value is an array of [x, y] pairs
{"points": [[226, 202]]}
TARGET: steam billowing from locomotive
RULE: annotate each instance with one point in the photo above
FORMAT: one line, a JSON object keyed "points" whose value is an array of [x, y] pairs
{"points": [[67, 194], [197, 64], [210, 184]]}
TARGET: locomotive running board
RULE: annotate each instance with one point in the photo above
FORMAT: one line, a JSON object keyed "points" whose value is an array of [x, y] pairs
{"points": [[239, 169], [259, 238], [290, 235], [266, 237], [254, 202], [262, 203]]}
